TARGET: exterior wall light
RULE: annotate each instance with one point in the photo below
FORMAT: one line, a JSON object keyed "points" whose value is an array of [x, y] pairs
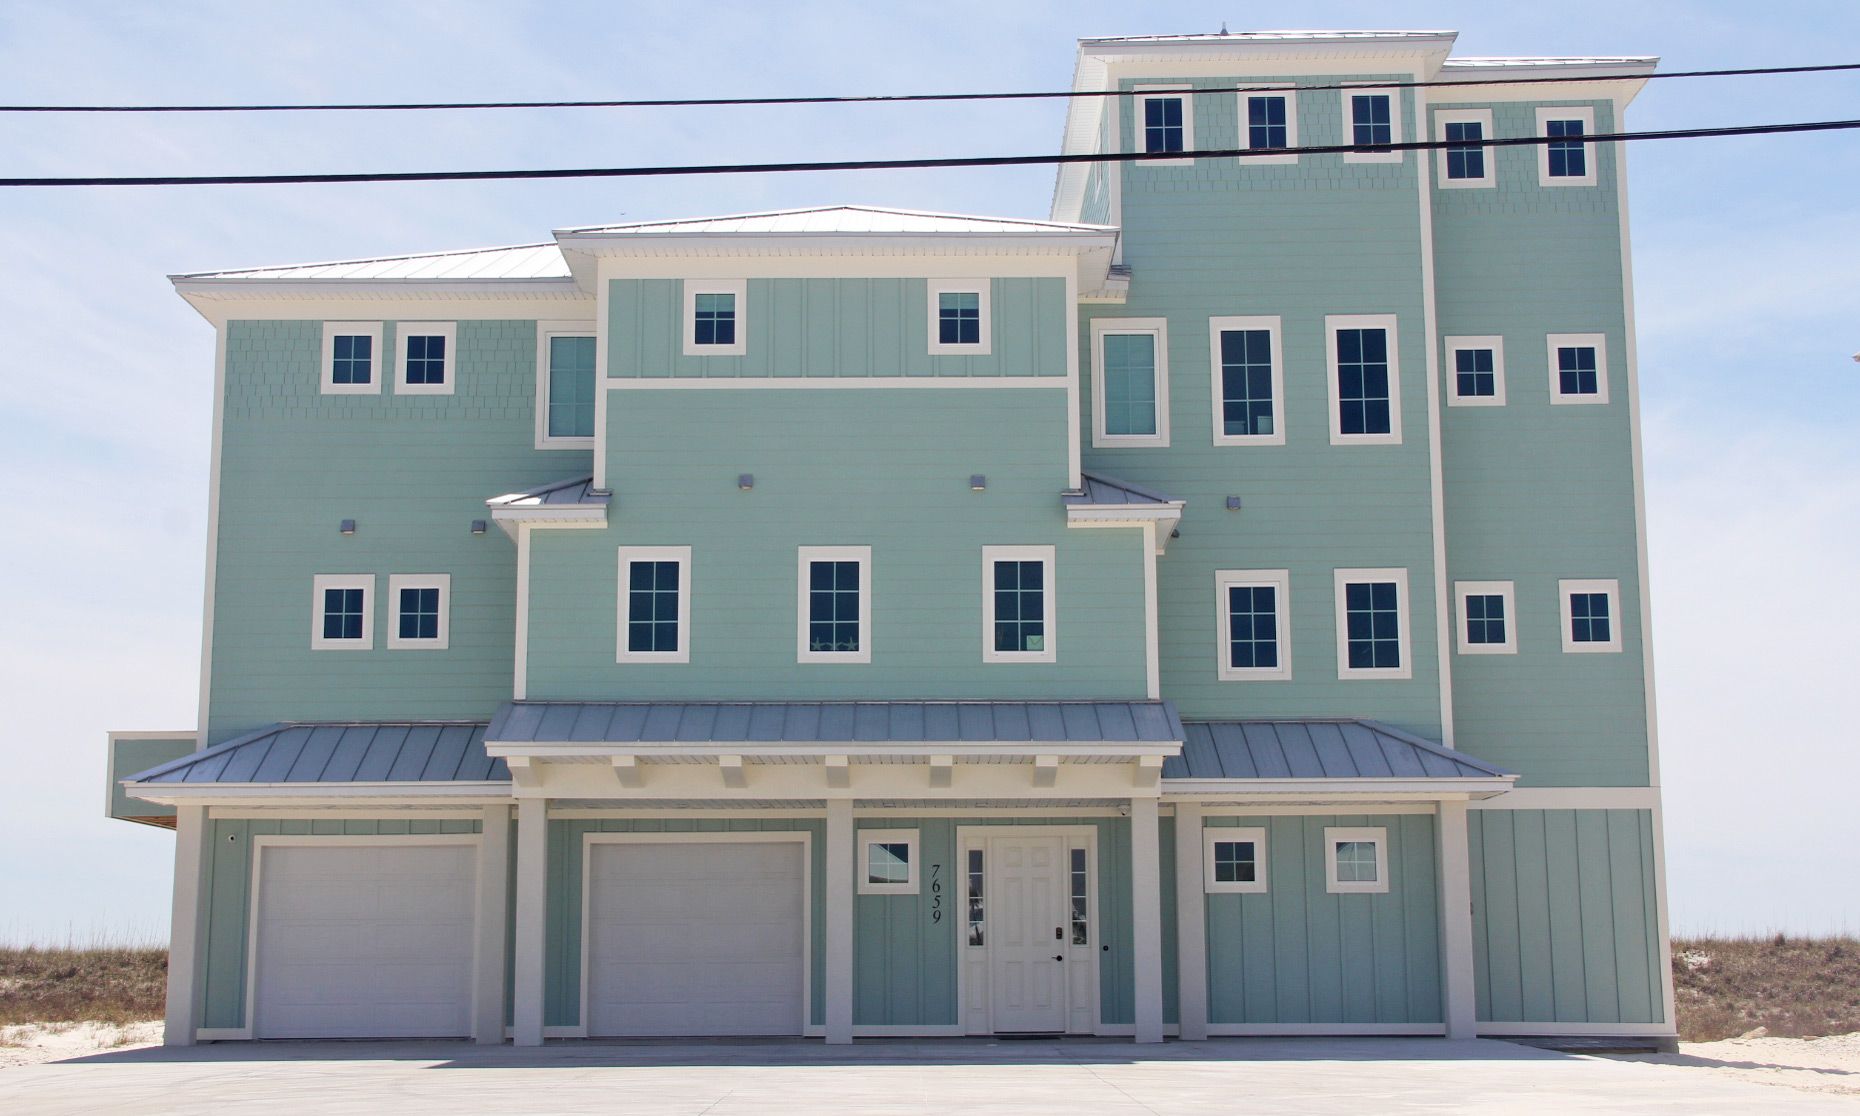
{"points": [[745, 481], [347, 527], [1233, 503], [978, 482], [477, 526]]}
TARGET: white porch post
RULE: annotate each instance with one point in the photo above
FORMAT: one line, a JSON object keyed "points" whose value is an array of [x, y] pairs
{"points": [[190, 853], [839, 975], [1146, 902], [1191, 923], [532, 898], [1457, 1000], [493, 905]]}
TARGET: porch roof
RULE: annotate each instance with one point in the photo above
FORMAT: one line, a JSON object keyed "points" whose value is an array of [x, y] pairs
{"points": [[342, 752], [1317, 749]]}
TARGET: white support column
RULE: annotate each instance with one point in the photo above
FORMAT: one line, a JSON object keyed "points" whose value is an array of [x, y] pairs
{"points": [[190, 865], [532, 899], [1457, 998], [839, 975], [493, 909], [1146, 902], [1191, 923]]}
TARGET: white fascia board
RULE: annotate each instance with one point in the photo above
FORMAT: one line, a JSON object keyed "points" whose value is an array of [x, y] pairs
{"points": [[173, 794], [1354, 790], [1059, 242], [960, 749], [1170, 512], [552, 515], [1603, 88], [351, 300]]}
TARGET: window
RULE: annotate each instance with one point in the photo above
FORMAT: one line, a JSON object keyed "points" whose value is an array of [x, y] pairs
{"points": [[1356, 860], [1130, 390], [1080, 894], [1249, 380], [959, 317], [1255, 644], [351, 358], [1018, 604], [342, 615], [1165, 121], [976, 904], [565, 385], [1372, 624], [1233, 859], [1566, 160], [1365, 379], [421, 603], [715, 317], [1268, 120], [1476, 371], [1488, 617], [835, 603], [1467, 164], [1578, 368], [888, 862], [655, 604], [1591, 615], [428, 357], [1370, 120]]}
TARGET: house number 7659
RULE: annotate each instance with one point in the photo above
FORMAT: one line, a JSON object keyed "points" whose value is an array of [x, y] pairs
{"points": [[936, 893]]}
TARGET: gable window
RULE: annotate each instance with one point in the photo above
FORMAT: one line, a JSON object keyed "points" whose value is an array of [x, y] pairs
{"points": [[1255, 644], [835, 605], [715, 317], [428, 357], [1488, 617], [655, 604], [421, 606], [1365, 379], [1269, 120], [342, 612], [1372, 624], [1234, 859], [959, 317], [1591, 615], [1476, 371], [1018, 604], [1248, 380], [1465, 163], [1369, 122], [1130, 390], [1578, 368], [351, 358], [565, 386], [888, 862], [1356, 860], [1566, 159], [1165, 122]]}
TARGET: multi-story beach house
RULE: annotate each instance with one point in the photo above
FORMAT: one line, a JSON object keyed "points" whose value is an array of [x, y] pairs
{"points": [[1218, 609]]}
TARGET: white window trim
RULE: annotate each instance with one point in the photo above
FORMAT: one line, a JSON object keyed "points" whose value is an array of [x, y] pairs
{"points": [[406, 331], [1335, 322], [544, 332], [810, 554], [678, 554], [376, 373], [1273, 89], [1481, 117], [364, 582], [1050, 594], [905, 837], [1280, 580], [1148, 93], [1502, 589], [1214, 834], [696, 287], [1597, 341], [1218, 326], [1454, 346], [1100, 329], [1397, 575], [441, 582], [1612, 588], [1375, 835], [1589, 150], [1349, 124], [982, 288]]}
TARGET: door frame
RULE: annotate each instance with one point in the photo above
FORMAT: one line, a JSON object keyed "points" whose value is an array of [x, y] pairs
{"points": [[977, 836]]}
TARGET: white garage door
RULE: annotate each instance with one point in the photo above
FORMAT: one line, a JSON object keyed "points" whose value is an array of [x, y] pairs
{"points": [[695, 939], [364, 941]]}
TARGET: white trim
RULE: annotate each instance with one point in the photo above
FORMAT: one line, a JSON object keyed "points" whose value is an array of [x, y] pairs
{"points": [[530, 939], [806, 556], [1374, 835], [364, 582], [493, 907], [1265, 90], [1049, 650], [1322, 1030], [1481, 117], [629, 555], [1281, 582], [1214, 835], [520, 667], [1191, 924], [1504, 590], [1579, 1030], [696, 287], [1152, 634], [1148, 93], [1331, 796], [1455, 345], [441, 582], [1436, 467], [326, 377], [217, 1034], [983, 289], [1459, 980], [1574, 798], [405, 331], [1596, 341], [1349, 122], [191, 850], [1399, 576], [602, 354], [840, 383], [545, 332], [209, 590], [865, 839], [1217, 384], [1315, 809], [837, 982], [1589, 151], [1609, 586], [1074, 421], [1332, 324], [1158, 329], [1146, 937]]}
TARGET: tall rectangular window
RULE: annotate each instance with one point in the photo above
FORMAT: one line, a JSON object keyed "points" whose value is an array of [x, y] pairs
{"points": [[655, 604], [715, 317], [1080, 895], [1164, 118], [1018, 599], [977, 899], [351, 358], [1464, 161], [1364, 383], [1372, 624], [1254, 642], [1130, 387], [428, 357], [1591, 615], [1565, 159], [1578, 367], [354, 361], [1568, 155], [342, 612], [1246, 382], [1370, 121], [1162, 124], [426, 360], [1468, 160], [1475, 373], [421, 611], [959, 317], [715, 320], [1575, 370], [1268, 119], [1488, 617], [835, 604], [571, 387]]}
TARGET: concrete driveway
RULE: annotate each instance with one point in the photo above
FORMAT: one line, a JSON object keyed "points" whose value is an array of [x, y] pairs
{"points": [[1073, 1077]]}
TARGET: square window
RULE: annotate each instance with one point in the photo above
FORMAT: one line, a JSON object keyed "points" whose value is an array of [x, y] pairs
{"points": [[1130, 382], [1476, 371], [1372, 624], [1591, 615], [1248, 380], [1018, 604], [835, 604], [1464, 162], [1162, 124], [888, 862], [1365, 379], [1268, 120], [1356, 860], [421, 611], [655, 604], [342, 612], [1488, 617], [1234, 859], [428, 357], [1565, 160], [715, 317], [1370, 120], [1578, 368], [959, 317], [351, 358], [1255, 644], [565, 357]]}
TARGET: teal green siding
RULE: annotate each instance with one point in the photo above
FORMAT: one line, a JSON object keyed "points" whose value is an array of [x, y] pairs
{"points": [[1565, 916], [1298, 954], [131, 755], [836, 327]]}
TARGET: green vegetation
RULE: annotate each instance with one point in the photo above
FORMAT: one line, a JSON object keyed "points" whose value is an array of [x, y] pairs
{"points": [[1790, 987], [112, 984]]}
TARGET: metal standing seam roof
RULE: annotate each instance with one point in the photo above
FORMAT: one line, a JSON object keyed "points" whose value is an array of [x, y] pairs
{"points": [[829, 219], [1348, 749], [401, 752], [1096, 489], [522, 261], [574, 492]]}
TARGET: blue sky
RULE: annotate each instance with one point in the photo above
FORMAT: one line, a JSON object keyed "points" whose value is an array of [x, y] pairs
{"points": [[1745, 261]]}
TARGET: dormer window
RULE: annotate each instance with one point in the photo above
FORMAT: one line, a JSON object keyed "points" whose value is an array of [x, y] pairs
{"points": [[714, 317]]}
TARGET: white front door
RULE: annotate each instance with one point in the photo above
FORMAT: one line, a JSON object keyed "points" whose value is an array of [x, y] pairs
{"points": [[1027, 924]]}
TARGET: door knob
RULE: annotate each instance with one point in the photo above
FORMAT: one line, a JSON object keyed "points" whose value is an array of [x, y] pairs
{"points": [[1059, 957]]}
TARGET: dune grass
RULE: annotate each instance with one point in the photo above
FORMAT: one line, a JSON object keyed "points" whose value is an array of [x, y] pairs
{"points": [[110, 984], [1790, 987]]}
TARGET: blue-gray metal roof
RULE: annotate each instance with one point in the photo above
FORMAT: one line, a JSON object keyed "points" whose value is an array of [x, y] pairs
{"points": [[1097, 489], [574, 492], [875, 722], [1316, 750], [404, 752]]}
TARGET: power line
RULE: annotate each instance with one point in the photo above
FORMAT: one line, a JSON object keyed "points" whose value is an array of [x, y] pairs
{"points": [[916, 164], [902, 98]]}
